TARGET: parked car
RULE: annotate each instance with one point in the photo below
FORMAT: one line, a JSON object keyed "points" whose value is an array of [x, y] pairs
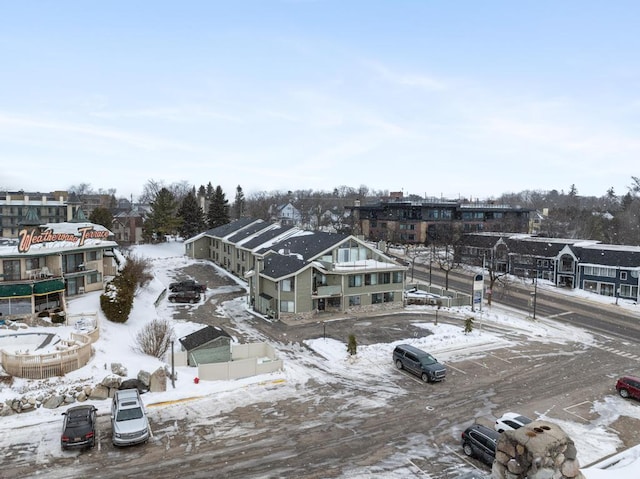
{"points": [[184, 297], [418, 362], [510, 421], [629, 387], [129, 422], [187, 285], [480, 442], [79, 427]]}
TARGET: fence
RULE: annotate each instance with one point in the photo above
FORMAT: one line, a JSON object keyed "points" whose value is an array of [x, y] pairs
{"points": [[58, 363], [42, 366], [446, 298], [248, 360]]}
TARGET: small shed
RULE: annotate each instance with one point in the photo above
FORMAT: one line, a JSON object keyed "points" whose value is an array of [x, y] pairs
{"points": [[207, 345]]}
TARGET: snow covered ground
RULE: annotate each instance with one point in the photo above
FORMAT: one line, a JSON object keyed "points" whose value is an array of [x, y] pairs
{"points": [[117, 342]]}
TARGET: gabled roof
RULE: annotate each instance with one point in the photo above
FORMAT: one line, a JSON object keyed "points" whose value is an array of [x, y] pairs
{"points": [[541, 247], [230, 228], [248, 231], [309, 246], [609, 255], [202, 336], [266, 236], [276, 266]]}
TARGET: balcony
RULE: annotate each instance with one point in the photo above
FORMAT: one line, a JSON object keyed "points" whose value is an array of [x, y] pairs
{"points": [[327, 291]]}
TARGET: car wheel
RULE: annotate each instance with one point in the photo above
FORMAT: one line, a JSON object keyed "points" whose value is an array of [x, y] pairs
{"points": [[624, 393], [399, 364], [172, 300], [468, 450], [425, 377], [500, 431]]}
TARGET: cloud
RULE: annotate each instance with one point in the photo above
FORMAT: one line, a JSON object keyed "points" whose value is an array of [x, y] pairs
{"points": [[422, 81], [87, 130]]}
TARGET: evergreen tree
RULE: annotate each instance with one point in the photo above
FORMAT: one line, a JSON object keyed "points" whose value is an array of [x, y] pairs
{"points": [[239, 204], [102, 216], [192, 217], [352, 346], [209, 191], [162, 219], [218, 209]]}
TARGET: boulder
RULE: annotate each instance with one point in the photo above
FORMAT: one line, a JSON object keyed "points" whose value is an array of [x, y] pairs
{"points": [[53, 401], [119, 370], [158, 382]]}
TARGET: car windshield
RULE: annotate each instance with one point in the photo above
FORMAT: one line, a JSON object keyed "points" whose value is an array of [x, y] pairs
{"points": [[427, 360], [128, 414]]}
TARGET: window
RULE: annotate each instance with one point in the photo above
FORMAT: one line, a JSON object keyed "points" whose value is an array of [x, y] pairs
{"points": [[11, 270], [600, 271], [287, 306], [355, 280], [93, 278], [354, 300], [287, 284], [384, 278], [93, 255], [388, 297], [33, 263], [370, 279], [376, 298], [623, 275], [628, 291], [397, 276]]}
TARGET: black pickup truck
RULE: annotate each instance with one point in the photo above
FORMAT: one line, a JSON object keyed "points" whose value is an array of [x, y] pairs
{"points": [[187, 285]]}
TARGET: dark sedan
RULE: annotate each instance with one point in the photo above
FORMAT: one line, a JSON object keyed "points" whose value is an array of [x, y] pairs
{"points": [[79, 428], [184, 297]]}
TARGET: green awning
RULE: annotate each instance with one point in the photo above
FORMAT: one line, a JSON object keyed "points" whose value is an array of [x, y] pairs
{"points": [[45, 287], [15, 290]]}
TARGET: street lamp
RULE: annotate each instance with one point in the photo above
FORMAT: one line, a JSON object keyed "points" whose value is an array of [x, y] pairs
{"points": [[535, 293]]}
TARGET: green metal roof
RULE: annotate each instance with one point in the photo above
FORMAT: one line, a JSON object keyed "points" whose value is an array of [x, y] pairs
{"points": [[15, 290], [45, 287]]}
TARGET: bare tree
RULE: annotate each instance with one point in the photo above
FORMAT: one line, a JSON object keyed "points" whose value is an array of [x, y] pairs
{"points": [[155, 338]]}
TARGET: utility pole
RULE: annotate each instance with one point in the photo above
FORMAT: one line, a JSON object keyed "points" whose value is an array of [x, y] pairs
{"points": [[173, 369], [535, 293]]}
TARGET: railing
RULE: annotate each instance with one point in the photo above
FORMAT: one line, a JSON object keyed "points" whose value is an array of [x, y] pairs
{"points": [[59, 363]]}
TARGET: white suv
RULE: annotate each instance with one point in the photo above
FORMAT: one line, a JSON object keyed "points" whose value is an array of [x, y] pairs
{"points": [[128, 419]]}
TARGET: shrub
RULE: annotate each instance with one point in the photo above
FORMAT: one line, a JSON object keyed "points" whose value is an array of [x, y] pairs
{"points": [[352, 347], [137, 269], [468, 325], [154, 339], [117, 300]]}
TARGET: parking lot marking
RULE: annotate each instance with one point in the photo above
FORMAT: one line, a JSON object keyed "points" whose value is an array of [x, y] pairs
{"points": [[422, 471], [456, 369], [501, 359], [567, 409], [480, 364]]}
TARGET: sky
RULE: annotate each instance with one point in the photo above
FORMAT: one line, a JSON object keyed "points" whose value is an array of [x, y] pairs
{"points": [[326, 360], [473, 99]]}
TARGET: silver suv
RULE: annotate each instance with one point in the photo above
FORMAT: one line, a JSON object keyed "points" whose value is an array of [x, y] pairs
{"points": [[128, 419]]}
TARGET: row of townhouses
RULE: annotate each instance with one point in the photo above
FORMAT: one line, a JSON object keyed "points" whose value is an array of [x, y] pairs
{"points": [[292, 273], [609, 270]]}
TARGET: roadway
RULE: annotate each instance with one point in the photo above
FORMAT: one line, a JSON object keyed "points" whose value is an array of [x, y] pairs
{"points": [[595, 316]]}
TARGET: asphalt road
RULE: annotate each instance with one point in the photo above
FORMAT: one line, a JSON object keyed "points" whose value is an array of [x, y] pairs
{"points": [[591, 315], [387, 424]]}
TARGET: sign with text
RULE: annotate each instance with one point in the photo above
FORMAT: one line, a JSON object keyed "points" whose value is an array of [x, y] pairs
{"points": [[29, 238], [478, 287]]}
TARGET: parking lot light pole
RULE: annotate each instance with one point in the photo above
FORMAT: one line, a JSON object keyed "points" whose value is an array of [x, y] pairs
{"points": [[535, 293]]}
